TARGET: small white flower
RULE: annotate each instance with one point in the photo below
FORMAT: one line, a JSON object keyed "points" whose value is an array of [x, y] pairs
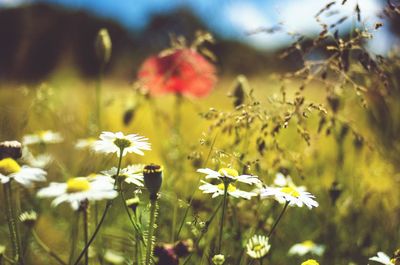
{"points": [[85, 143], [258, 246], [382, 258], [113, 143], [286, 181], [218, 259], [76, 190], [10, 169], [306, 247], [132, 174], [113, 257], [218, 190], [40, 161], [229, 173], [230, 177], [291, 195], [42, 137]]}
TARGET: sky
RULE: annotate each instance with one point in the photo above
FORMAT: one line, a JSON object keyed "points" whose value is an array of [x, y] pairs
{"points": [[235, 18]]}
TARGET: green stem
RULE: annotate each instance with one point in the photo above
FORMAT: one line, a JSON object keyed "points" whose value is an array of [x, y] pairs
{"points": [[108, 206], [195, 189], [132, 220], [74, 235], [86, 230], [221, 227], [12, 224], [278, 220], [203, 231], [150, 241], [46, 248], [98, 97]]}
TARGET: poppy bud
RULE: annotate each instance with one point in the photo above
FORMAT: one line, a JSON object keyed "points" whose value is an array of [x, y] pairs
{"points": [[10, 149], [152, 179], [103, 46]]}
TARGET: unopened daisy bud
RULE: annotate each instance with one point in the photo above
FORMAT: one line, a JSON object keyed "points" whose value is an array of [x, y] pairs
{"points": [[218, 259], [28, 218], [133, 203], [103, 46], [152, 179], [310, 262], [10, 149]]}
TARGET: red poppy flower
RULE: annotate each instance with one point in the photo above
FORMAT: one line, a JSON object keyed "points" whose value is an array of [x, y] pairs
{"points": [[184, 71]]}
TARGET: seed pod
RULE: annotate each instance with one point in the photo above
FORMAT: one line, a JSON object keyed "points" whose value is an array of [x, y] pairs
{"points": [[12, 149], [103, 46], [152, 179]]}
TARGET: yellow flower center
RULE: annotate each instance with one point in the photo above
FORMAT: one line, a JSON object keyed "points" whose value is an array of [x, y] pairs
{"points": [[258, 247], [310, 262], [291, 191], [42, 133], [308, 243], [9, 166], [122, 143], [231, 187], [77, 185], [228, 171]]}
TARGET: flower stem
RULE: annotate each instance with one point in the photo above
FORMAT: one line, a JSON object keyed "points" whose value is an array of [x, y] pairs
{"points": [[98, 97], [108, 206], [86, 230], [203, 231], [221, 227], [150, 241], [12, 224], [46, 248], [195, 189], [278, 220]]}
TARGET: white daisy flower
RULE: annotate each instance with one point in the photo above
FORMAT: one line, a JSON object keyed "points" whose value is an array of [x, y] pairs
{"points": [[291, 195], [76, 190], [218, 190], [229, 173], [383, 259], [85, 143], [132, 174], [286, 181], [258, 246], [113, 143], [40, 161], [10, 169], [306, 247], [113, 257], [42, 137], [230, 177]]}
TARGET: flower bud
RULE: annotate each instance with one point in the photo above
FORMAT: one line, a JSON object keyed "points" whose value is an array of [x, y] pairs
{"points": [[152, 179], [103, 46], [28, 218], [133, 203], [11, 149], [218, 259]]}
